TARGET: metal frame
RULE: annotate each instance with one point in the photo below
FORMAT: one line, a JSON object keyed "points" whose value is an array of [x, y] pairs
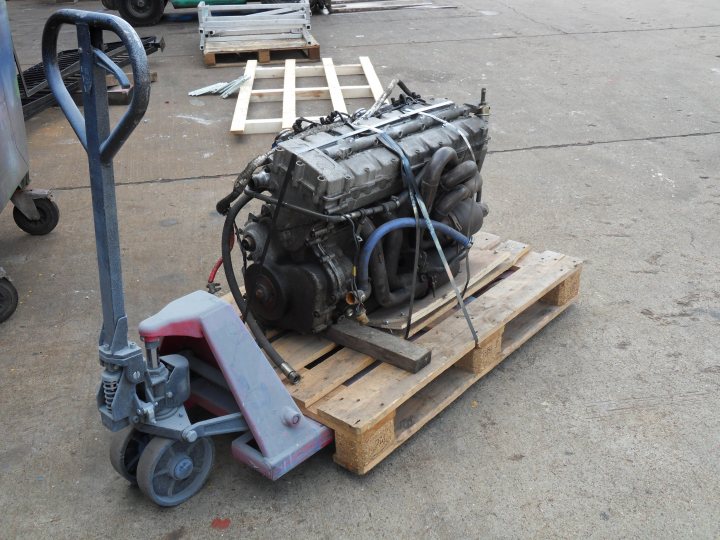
{"points": [[254, 22]]}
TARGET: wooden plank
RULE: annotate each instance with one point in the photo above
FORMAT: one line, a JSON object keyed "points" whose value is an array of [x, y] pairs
{"points": [[372, 78], [288, 112], [240, 47], [300, 350], [307, 71], [336, 95], [328, 375], [385, 347], [309, 93], [386, 387], [243, 100]]}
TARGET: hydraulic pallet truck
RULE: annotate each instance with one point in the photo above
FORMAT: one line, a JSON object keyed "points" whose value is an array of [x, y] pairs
{"points": [[197, 351]]}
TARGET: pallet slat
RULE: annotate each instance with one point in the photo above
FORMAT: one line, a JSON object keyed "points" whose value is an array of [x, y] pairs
{"points": [[336, 95], [320, 381], [243, 100], [371, 76], [288, 113]]}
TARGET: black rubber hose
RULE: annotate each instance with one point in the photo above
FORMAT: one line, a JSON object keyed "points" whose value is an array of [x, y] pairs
{"points": [[223, 205], [260, 337]]}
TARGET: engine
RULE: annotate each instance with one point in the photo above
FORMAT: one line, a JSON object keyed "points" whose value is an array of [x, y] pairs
{"points": [[342, 230]]}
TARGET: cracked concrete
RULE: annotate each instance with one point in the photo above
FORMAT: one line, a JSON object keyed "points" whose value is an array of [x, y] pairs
{"points": [[605, 145]]}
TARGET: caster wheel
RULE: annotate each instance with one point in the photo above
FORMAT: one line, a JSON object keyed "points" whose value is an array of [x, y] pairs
{"points": [[126, 447], [8, 299], [49, 217], [170, 471]]}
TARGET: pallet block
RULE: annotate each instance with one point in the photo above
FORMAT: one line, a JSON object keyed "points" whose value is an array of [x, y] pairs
{"points": [[374, 407]]}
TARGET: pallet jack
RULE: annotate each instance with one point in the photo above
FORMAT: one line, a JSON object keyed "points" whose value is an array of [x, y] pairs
{"points": [[196, 350]]}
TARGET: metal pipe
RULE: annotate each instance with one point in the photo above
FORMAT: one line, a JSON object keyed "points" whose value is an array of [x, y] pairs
{"points": [[441, 159]]}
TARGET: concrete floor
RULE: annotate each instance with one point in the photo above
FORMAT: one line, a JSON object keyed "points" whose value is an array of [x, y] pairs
{"points": [[606, 146]]}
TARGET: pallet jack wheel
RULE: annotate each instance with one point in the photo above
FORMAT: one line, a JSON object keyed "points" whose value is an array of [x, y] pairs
{"points": [[171, 471], [126, 447], [8, 299], [49, 217]]}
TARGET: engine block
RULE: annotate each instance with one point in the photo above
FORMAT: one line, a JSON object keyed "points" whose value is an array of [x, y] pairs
{"points": [[330, 188]]}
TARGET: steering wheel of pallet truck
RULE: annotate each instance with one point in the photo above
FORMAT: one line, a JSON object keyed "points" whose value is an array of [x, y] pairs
{"points": [[90, 26]]}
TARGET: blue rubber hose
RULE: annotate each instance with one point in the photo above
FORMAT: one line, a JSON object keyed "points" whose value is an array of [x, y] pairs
{"points": [[400, 223]]}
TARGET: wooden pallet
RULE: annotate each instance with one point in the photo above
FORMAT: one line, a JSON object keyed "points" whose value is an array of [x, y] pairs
{"points": [[227, 53], [374, 407], [289, 94]]}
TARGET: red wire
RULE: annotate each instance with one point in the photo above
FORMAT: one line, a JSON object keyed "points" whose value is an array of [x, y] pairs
{"points": [[218, 263], [215, 269]]}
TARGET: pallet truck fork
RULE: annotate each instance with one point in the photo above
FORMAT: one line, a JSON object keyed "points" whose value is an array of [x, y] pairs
{"points": [[197, 351]]}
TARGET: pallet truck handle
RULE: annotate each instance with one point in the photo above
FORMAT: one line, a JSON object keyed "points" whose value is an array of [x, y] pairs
{"points": [[89, 31], [101, 144]]}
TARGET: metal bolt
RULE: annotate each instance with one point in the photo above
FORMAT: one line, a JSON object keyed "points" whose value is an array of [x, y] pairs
{"points": [[291, 417], [190, 436], [136, 375], [169, 395]]}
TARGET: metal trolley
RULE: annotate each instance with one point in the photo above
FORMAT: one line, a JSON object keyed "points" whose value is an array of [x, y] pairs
{"points": [[34, 210]]}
